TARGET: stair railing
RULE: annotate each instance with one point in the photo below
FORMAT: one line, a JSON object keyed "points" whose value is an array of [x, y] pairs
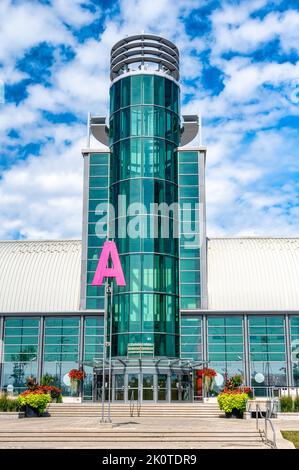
{"points": [[267, 421], [132, 403]]}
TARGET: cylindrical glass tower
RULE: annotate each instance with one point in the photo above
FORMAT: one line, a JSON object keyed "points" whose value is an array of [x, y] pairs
{"points": [[144, 136]]}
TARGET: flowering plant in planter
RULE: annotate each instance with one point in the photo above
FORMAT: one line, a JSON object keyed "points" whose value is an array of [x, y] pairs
{"points": [[233, 403], [76, 375], [36, 401], [248, 391], [207, 375], [53, 392], [234, 382]]}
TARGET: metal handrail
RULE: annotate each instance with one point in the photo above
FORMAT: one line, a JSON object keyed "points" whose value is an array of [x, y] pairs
{"points": [[268, 441], [268, 389], [138, 406], [132, 403], [282, 390]]}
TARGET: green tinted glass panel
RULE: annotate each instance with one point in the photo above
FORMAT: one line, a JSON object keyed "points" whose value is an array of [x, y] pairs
{"points": [[99, 158], [136, 89], [98, 170]]}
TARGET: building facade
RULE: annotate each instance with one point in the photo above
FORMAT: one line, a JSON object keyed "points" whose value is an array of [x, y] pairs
{"points": [[189, 302]]}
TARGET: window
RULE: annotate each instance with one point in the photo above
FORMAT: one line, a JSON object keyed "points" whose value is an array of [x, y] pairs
{"points": [[93, 338], [267, 350], [225, 345], [191, 337], [21, 343], [294, 330]]}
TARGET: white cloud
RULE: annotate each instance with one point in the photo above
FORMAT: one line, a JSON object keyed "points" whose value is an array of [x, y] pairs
{"points": [[236, 31], [251, 185], [42, 196]]}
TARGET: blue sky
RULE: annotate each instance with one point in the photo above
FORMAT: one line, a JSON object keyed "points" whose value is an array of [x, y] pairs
{"points": [[239, 69]]}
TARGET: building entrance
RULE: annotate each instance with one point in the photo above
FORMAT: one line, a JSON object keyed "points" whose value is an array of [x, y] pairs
{"points": [[145, 386]]}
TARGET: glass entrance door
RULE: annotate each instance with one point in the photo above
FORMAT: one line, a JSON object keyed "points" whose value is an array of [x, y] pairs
{"points": [[119, 387], [185, 388], [162, 387], [175, 384], [97, 387], [148, 387], [133, 386]]}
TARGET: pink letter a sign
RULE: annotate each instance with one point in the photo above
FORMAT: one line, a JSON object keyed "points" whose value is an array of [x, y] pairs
{"points": [[109, 249]]}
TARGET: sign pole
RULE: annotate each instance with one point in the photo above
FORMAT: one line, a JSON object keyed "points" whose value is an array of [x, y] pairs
{"points": [[110, 353], [104, 352], [104, 271]]}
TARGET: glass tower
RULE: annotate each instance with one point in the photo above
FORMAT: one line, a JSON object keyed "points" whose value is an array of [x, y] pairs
{"points": [[142, 173], [144, 136]]}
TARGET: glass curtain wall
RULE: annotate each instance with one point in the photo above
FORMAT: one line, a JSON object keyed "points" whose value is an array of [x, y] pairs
{"points": [[191, 337], [189, 199], [294, 330], [225, 346], [61, 349], [97, 224], [21, 337], [144, 135], [93, 350], [267, 351]]}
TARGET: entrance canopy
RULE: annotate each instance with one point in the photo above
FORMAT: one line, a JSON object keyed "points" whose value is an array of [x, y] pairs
{"points": [[146, 363]]}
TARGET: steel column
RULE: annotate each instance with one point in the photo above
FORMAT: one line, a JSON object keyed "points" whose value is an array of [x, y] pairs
{"points": [[289, 368], [205, 356], [40, 349], [1, 349], [246, 357], [81, 352]]}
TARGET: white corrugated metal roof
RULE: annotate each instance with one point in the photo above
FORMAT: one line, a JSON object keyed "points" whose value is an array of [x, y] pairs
{"points": [[40, 276], [253, 273], [243, 274]]}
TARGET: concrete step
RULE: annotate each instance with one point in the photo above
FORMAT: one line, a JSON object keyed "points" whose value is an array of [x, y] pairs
{"points": [[152, 407], [189, 410], [88, 437]]}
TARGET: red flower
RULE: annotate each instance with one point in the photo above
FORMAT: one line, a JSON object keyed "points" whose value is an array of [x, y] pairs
{"points": [[76, 374], [42, 389], [206, 372]]}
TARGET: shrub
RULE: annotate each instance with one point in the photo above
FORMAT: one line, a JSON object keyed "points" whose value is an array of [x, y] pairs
{"points": [[248, 391], [59, 399], [234, 382], [54, 392], [230, 401], [8, 404], [286, 404], [31, 383], [296, 404], [37, 401], [48, 380]]}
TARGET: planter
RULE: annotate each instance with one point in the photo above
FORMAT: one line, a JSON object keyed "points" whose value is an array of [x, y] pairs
{"points": [[11, 415], [31, 412], [210, 399], [71, 399], [235, 413]]}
